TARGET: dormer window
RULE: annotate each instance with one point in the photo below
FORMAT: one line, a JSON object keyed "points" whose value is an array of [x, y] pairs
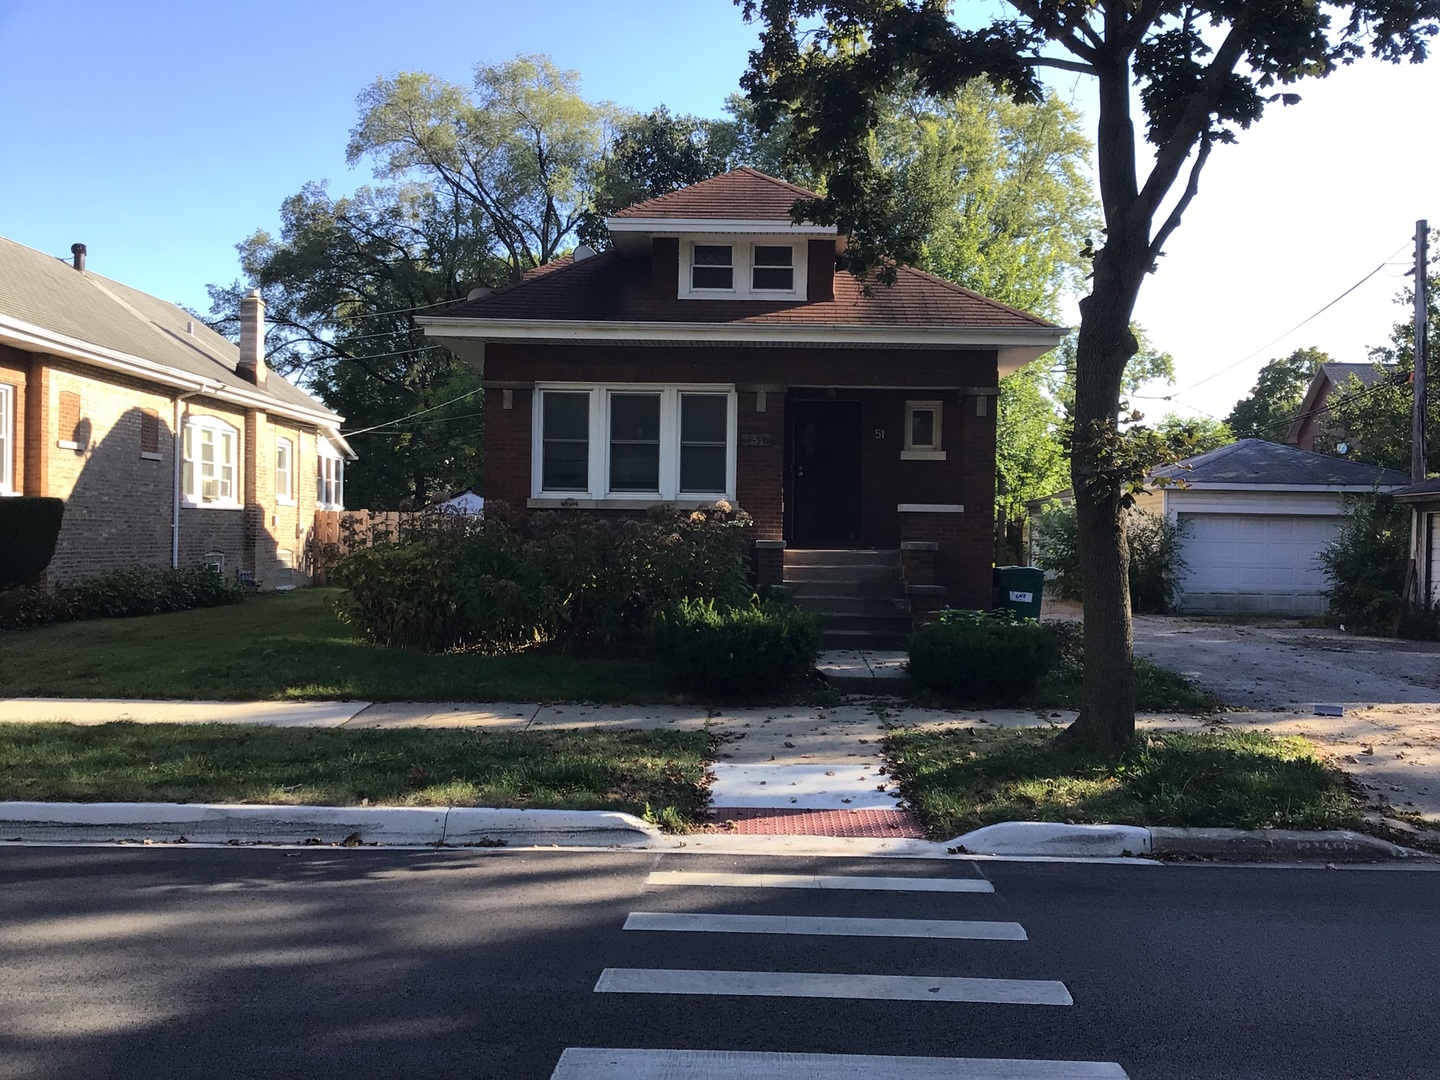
{"points": [[759, 269], [773, 269], [712, 267]]}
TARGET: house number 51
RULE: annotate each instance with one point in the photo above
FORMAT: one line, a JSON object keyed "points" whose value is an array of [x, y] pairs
{"points": [[879, 433]]}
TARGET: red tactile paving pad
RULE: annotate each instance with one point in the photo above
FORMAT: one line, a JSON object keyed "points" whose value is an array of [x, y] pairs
{"points": [[765, 821]]}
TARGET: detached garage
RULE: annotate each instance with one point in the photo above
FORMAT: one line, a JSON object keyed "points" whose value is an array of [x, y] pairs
{"points": [[1257, 515]]}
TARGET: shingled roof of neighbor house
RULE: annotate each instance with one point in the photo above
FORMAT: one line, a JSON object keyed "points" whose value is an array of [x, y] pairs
{"points": [[1261, 463], [49, 293]]}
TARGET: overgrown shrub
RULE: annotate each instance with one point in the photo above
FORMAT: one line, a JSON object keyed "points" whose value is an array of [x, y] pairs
{"points": [[1365, 564], [501, 582], [29, 527], [117, 593], [725, 650], [983, 655], [1156, 566]]}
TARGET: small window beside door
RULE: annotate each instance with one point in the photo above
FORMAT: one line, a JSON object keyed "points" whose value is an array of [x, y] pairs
{"points": [[922, 432]]}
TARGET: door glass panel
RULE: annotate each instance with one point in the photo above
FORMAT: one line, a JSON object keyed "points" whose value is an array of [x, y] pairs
{"points": [[635, 442]]}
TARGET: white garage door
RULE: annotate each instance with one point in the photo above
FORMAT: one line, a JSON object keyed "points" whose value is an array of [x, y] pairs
{"points": [[1260, 563]]}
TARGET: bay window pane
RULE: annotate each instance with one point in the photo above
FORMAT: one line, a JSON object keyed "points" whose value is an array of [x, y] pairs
{"points": [[702, 469], [565, 436], [704, 422], [634, 442]]}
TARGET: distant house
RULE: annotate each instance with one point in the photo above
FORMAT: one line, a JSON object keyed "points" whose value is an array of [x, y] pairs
{"points": [[723, 351], [169, 445], [1423, 501], [1313, 417]]}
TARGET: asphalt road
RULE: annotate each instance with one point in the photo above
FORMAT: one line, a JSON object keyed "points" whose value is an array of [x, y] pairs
{"points": [[176, 962]]}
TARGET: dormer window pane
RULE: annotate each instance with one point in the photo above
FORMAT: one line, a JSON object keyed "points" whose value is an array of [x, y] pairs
{"points": [[774, 269], [713, 267]]}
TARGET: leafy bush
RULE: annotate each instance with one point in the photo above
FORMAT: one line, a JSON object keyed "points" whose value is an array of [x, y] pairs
{"points": [[1365, 564], [724, 650], [118, 593], [1156, 565], [29, 527], [501, 583], [982, 654]]}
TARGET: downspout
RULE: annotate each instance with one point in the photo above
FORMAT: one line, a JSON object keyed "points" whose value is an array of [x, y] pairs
{"points": [[175, 504]]}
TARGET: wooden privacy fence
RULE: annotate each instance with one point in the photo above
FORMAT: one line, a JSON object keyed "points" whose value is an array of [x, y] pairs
{"points": [[338, 532]]}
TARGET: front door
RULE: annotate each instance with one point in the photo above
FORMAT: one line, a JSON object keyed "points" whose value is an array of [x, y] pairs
{"points": [[825, 471]]}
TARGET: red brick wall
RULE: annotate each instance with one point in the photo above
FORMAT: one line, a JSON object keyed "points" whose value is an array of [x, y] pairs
{"points": [[965, 477]]}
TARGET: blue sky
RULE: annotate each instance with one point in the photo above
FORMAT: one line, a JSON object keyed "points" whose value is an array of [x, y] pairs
{"points": [[161, 133]]}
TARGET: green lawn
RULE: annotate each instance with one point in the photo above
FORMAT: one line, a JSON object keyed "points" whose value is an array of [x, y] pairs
{"points": [[655, 774], [964, 778], [291, 645]]}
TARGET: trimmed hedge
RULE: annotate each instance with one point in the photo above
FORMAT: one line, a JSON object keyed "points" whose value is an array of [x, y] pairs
{"points": [[983, 655], [29, 528], [735, 650], [499, 583], [117, 593]]}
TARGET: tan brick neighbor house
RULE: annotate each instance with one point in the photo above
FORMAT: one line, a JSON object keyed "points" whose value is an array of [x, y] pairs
{"points": [[170, 446], [721, 351]]}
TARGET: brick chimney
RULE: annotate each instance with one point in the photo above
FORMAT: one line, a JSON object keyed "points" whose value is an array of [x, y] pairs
{"points": [[252, 338]]}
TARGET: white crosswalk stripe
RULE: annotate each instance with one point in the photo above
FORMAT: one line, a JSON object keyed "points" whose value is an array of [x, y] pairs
{"points": [[692, 922], [827, 985], [822, 881], [597, 1064]]}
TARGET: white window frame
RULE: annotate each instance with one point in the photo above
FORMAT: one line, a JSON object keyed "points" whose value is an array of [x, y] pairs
{"points": [[930, 451], [742, 262], [197, 430], [285, 452], [329, 477], [598, 491], [7, 440]]}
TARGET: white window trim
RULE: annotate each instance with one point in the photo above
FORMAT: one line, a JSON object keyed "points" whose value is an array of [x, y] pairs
{"points": [[598, 493], [742, 260], [287, 498], [7, 440], [191, 497], [325, 452], [931, 451]]}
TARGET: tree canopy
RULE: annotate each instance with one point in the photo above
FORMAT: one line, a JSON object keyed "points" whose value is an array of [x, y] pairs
{"points": [[1266, 413], [1201, 73]]}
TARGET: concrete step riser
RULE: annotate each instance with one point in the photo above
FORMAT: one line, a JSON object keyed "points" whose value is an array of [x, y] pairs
{"points": [[842, 557], [869, 590], [842, 573], [855, 605]]}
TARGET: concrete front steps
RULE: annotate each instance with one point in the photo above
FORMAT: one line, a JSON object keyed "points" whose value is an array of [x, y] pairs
{"points": [[860, 593]]}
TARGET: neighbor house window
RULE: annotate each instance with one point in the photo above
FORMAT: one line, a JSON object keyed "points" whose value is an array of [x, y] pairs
{"points": [[284, 471], [214, 560], [772, 269], [329, 478], [209, 450], [7, 439], [712, 267], [618, 442], [922, 430]]}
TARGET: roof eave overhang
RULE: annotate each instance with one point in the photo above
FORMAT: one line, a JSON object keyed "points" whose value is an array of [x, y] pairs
{"points": [[31, 338], [1016, 346], [1294, 489], [746, 226]]}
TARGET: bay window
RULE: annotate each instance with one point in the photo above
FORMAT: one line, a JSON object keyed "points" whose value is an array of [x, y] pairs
{"points": [[329, 478], [634, 442]]}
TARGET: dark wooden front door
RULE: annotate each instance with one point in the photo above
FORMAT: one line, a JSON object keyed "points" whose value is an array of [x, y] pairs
{"points": [[825, 472]]}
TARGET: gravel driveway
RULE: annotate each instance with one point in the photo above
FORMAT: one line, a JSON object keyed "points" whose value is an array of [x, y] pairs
{"points": [[1274, 676]]}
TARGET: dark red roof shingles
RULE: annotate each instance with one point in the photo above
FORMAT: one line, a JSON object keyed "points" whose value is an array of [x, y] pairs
{"points": [[608, 288], [743, 194]]}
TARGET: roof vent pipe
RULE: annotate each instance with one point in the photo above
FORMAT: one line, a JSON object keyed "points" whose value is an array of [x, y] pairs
{"points": [[78, 250]]}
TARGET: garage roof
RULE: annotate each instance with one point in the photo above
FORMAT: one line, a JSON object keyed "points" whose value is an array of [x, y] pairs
{"points": [[1272, 465]]}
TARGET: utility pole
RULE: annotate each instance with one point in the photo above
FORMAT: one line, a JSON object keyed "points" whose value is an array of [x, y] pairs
{"points": [[1422, 311]]}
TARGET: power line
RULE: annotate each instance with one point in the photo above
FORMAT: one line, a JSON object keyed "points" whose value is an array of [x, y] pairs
{"points": [[411, 416], [429, 420]]}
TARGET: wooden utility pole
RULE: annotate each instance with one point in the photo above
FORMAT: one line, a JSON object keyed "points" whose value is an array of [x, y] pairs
{"points": [[1422, 311]]}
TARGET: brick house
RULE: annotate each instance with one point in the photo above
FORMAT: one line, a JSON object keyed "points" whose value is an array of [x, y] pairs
{"points": [[170, 446], [720, 350]]}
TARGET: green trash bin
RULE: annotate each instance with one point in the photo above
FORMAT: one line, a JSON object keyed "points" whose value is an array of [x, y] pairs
{"points": [[1019, 589]]}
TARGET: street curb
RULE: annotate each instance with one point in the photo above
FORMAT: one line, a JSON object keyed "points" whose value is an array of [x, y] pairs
{"points": [[1042, 838], [401, 826]]}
